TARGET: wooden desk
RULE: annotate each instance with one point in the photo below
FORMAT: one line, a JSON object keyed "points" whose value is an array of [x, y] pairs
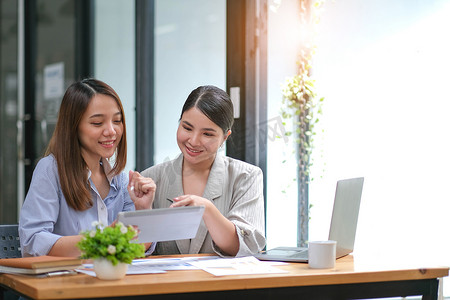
{"points": [[346, 281]]}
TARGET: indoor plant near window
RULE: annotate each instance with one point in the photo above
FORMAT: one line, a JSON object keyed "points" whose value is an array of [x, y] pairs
{"points": [[111, 249], [301, 104]]}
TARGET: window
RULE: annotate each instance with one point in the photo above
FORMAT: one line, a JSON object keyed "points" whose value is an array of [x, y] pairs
{"points": [[382, 67], [190, 51], [283, 25], [115, 60]]}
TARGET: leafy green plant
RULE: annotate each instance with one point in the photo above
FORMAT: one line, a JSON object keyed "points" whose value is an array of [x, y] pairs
{"points": [[113, 243], [302, 105]]}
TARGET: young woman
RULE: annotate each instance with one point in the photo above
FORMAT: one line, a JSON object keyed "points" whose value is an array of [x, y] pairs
{"points": [[230, 190], [75, 184]]}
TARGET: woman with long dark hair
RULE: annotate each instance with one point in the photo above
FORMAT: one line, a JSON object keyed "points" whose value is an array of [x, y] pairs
{"points": [[80, 179]]}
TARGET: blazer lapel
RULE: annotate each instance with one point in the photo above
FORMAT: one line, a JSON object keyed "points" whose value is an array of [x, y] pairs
{"points": [[175, 189], [213, 191]]}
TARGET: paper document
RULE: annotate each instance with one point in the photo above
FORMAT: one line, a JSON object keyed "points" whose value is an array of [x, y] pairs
{"points": [[236, 266], [88, 269], [170, 264], [211, 264], [154, 265]]}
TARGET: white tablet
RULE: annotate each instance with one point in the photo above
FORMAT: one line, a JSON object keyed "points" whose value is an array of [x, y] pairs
{"points": [[164, 224]]}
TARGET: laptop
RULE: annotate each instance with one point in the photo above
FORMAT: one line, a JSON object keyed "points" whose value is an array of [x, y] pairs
{"points": [[344, 220]]}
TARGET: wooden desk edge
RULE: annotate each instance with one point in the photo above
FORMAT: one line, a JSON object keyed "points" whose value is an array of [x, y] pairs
{"points": [[66, 287]]}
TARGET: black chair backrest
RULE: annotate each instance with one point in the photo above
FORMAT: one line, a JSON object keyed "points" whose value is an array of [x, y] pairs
{"points": [[9, 241]]}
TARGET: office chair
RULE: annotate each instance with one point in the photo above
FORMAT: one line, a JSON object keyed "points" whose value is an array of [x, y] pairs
{"points": [[9, 248], [9, 241]]}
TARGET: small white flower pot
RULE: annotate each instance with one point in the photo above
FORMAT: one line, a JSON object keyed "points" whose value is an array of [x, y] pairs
{"points": [[105, 270]]}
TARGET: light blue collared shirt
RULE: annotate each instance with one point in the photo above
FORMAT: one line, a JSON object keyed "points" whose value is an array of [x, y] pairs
{"points": [[45, 215]]}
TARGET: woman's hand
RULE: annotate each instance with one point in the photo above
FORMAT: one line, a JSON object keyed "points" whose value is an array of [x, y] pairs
{"points": [[222, 230], [142, 190], [190, 200]]}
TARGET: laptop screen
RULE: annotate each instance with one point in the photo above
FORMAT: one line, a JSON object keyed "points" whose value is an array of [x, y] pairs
{"points": [[345, 214]]}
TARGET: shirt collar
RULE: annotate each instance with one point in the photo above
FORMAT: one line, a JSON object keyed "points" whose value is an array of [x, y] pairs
{"points": [[107, 168]]}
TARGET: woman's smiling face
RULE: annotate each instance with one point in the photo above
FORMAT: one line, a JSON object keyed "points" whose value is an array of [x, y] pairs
{"points": [[100, 129], [199, 138]]}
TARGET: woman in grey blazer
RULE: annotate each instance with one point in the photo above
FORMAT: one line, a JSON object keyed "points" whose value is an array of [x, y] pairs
{"points": [[230, 190]]}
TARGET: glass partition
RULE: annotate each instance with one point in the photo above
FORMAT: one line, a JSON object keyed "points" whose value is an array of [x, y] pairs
{"points": [[190, 50], [283, 25], [114, 59], [55, 65]]}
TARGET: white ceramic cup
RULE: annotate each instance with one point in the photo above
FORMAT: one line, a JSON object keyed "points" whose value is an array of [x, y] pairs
{"points": [[322, 254]]}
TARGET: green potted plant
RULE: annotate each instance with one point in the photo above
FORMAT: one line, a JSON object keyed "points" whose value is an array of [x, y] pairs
{"points": [[111, 249]]}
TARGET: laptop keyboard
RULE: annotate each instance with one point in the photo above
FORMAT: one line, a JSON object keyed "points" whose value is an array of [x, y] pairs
{"points": [[300, 254]]}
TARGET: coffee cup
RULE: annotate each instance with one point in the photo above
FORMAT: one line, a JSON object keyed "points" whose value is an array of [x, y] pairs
{"points": [[322, 254]]}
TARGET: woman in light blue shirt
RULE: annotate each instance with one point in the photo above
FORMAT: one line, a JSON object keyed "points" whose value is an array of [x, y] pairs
{"points": [[75, 184]]}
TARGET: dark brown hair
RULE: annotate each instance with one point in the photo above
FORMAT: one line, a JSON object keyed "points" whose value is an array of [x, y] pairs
{"points": [[214, 103], [65, 145]]}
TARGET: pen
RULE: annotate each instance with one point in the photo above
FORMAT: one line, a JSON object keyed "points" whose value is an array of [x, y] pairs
{"points": [[59, 273]]}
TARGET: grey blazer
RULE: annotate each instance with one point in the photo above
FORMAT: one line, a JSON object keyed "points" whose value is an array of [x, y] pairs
{"points": [[235, 188]]}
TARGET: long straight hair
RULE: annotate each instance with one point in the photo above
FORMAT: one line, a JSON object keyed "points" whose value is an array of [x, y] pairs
{"points": [[65, 145]]}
